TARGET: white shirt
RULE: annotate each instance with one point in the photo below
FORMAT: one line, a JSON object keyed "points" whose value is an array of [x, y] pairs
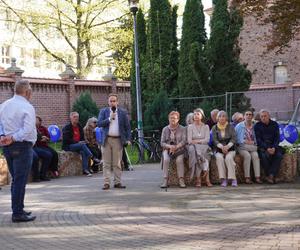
{"points": [[114, 126], [17, 118]]}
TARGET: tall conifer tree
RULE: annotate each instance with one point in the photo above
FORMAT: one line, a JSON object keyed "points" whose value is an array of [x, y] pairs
{"points": [[193, 33], [227, 73]]}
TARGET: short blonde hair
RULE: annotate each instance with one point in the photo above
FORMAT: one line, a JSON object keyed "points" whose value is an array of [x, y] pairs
{"points": [[91, 120], [200, 110]]}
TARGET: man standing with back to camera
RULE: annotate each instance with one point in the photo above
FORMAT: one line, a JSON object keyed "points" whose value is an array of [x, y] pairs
{"points": [[116, 133], [18, 135]]}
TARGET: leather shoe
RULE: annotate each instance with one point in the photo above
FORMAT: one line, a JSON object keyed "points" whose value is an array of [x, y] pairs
{"points": [[26, 213], [45, 179], [119, 185], [106, 186], [23, 218]]}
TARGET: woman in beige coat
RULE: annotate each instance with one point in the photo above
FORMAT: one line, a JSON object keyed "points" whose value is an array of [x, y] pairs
{"points": [[198, 149]]}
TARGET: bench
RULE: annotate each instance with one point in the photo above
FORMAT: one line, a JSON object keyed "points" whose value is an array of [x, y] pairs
{"points": [[287, 172], [69, 165]]}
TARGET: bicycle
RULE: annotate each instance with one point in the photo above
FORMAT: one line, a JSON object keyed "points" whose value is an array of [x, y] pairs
{"points": [[149, 145]]}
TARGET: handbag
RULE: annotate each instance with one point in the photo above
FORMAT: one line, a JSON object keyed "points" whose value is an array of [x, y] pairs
{"points": [[248, 147], [178, 152]]}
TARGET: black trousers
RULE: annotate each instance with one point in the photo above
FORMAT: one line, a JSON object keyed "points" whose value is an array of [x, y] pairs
{"points": [[270, 163]]}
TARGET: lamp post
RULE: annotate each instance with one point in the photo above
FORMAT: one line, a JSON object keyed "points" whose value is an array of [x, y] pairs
{"points": [[133, 5]]}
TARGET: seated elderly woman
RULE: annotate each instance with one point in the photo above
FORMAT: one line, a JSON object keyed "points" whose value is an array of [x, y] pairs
{"points": [[91, 142], [198, 149], [224, 140], [173, 140], [247, 146]]}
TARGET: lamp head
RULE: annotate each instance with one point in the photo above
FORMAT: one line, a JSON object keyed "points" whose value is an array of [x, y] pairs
{"points": [[133, 5]]}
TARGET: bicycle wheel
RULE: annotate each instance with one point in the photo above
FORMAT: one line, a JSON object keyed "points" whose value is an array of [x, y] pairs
{"points": [[147, 154], [158, 151], [134, 153]]}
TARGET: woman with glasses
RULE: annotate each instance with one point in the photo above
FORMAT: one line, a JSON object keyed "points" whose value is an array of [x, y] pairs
{"points": [[247, 146], [91, 142]]}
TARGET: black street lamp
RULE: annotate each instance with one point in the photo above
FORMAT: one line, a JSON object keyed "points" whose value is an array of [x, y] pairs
{"points": [[133, 5]]}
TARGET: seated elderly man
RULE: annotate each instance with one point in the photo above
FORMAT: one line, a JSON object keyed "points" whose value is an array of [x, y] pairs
{"points": [[267, 137], [73, 140], [173, 140]]}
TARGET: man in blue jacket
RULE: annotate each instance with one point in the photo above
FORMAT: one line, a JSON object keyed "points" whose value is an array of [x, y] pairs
{"points": [[267, 137], [116, 133]]}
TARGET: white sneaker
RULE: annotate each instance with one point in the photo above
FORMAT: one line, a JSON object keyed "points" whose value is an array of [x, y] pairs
{"points": [[164, 184], [181, 183]]}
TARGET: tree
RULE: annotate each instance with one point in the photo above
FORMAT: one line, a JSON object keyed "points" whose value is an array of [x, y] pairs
{"points": [[86, 107], [156, 115], [80, 25], [159, 47], [282, 15], [121, 42], [227, 74], [193, 33], [171, 84]]}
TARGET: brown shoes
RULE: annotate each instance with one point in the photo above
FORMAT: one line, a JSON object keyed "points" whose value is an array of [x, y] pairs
{"points": [[106, 186]]}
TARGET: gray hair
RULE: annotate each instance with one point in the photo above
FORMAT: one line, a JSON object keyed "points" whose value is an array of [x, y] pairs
{"points": [[264, 111], [214, 111], [91, 120], [22, 86], [189, 118], [74, 113], [221, 113], [236, 115]]}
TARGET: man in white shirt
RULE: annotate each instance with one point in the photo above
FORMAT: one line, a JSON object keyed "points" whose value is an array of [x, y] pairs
{"points": [[17, 136], [116, 133]]}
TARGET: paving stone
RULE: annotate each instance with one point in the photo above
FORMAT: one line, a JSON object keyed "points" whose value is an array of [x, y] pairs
{"points": [[74, 213]]}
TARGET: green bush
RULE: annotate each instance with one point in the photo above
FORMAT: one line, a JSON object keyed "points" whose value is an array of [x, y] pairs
{"points": [[86, 107]]}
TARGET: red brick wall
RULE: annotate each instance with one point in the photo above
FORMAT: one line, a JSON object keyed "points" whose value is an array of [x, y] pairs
{"points": [[51, 97]]}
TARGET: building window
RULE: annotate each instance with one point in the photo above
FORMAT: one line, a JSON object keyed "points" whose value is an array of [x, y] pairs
{"points": [[36, 58], [5, 54], [280, 73], [21, 56]]}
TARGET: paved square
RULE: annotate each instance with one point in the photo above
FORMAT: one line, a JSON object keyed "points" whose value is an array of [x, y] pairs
{"points": [[74, 213]]}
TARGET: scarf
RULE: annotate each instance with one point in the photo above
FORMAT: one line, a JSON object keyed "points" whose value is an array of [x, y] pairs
{"points": [[222, 128]]}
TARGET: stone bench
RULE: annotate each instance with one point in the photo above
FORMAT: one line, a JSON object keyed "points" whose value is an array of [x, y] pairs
{"points": [[287, 172], [69, 165]]}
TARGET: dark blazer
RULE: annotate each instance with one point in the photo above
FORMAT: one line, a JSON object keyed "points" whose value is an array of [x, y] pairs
{"points": [[124, 126], [67, 136]]}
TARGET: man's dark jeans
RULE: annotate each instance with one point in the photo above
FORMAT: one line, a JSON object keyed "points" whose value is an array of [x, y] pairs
{"points": [[19, 160], [85, 154], [46, 156], [270, 163]]}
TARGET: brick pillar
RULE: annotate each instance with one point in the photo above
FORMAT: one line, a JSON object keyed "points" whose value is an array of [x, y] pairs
{"points": [[14, 72], [110, 77], [69, 75]]}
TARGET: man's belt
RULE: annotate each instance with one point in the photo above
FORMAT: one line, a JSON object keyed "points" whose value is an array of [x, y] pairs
{"points": [[112, 136]]}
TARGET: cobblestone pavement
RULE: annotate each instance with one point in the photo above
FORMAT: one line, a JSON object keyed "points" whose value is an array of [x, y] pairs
{"points": [[74, 213]]}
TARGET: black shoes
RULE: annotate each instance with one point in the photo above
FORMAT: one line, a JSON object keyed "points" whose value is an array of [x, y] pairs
{"points": [[26, 213], [23, 218], [96, 161], [106, 187], [45, 179], [119, 185], [87, 173]]}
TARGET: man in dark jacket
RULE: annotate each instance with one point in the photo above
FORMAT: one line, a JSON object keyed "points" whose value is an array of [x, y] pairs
{"points": [[73, 140], [267, 137]]}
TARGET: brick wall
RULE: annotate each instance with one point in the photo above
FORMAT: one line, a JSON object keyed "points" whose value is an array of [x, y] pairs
{"points": [[53, 101]]}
